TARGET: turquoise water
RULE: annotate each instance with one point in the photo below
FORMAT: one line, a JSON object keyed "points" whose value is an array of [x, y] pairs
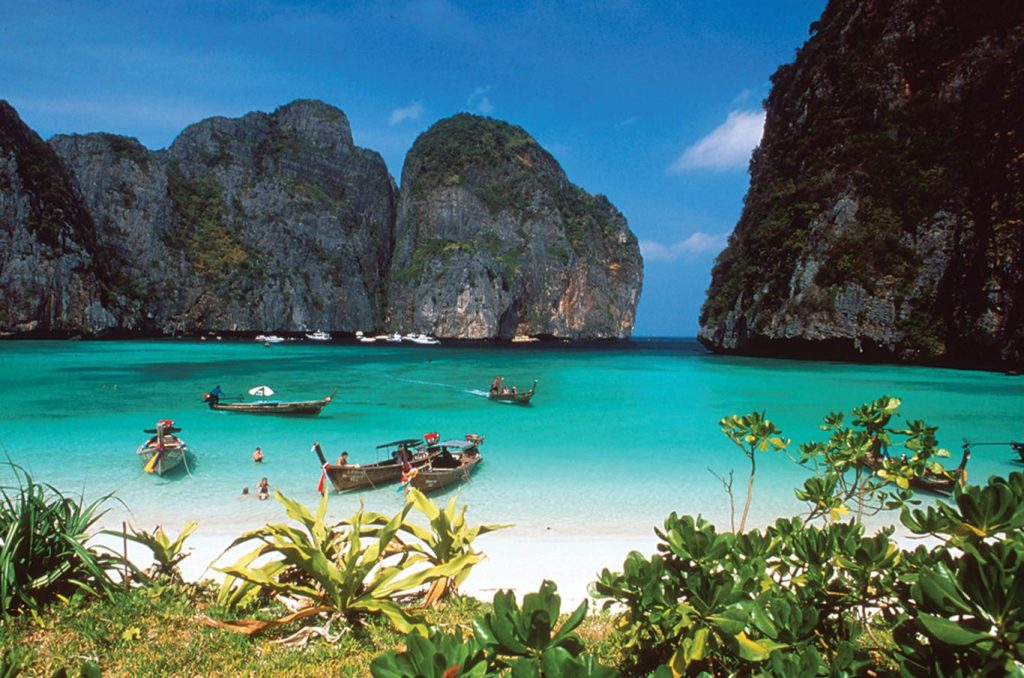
{"points": [[618, 436]]}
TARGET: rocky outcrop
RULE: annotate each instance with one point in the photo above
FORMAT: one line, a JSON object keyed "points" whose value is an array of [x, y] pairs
{"points": [[885, 215], [265, 222], [492, 240], [56, 274], [278, 222]]}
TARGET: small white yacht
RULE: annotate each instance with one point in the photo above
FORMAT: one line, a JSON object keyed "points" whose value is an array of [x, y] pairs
{"points": [[319, 335], [425, 339]]}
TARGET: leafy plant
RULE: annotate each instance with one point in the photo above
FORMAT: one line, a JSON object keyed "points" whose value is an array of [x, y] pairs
{"points": [[167, 553], [448, 544], [43, 551], [524, 640], [349, 570], [730, 603], [752, 433], [969, 603], [842, 480]]}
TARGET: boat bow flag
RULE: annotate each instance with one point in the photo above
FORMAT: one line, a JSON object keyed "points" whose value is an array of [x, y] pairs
{"points": [[261, 391]]}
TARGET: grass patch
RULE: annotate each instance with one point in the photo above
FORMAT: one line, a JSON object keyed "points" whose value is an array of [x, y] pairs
{"points": [[156, 632]]}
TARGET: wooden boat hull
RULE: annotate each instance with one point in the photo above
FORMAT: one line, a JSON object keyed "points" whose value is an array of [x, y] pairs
{"points": [[354, 476], [173, 454], [302, 408], [513, 398], [931, 483], [429, 480]]}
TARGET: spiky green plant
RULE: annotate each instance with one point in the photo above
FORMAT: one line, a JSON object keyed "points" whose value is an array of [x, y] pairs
{"points": [[447, 543], [348, 569], [43, 551], [167, 553]]}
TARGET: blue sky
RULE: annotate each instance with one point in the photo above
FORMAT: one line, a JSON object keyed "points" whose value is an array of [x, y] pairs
{"points": [[657, 105]]}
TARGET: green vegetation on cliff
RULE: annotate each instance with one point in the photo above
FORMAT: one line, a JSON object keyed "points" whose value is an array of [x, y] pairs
{"points": [[205, 235], [506, 169], [892, 159]]}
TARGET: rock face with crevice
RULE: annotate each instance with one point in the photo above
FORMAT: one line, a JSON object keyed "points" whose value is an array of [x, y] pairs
{"points": [[492, 240], [885, 215]]}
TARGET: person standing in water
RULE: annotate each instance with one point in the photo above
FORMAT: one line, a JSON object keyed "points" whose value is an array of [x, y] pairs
{"points": [[257, 455]]}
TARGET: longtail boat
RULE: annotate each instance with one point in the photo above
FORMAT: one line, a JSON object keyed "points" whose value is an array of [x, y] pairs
{"points": [[309, 408], [512, 396], [353, 476], [1017, 447], [939, 483], [456, 461], [164, 450]]}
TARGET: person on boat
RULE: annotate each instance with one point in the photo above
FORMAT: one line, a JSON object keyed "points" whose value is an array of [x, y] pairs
{"points": [[343, 459], [515, 391], [257, 455], [504, 390], [263, 489], [496, 384]]}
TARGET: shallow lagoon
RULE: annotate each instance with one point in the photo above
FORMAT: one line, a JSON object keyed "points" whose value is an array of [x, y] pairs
{"points": [[618, 436]]}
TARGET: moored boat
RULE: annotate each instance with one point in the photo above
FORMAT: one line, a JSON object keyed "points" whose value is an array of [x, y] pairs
{"points": [[939, 483], [455, 462], [269, 338], [319, 335], [307, 408], [164, 450], [507, 395], [408, 453], [424, 339]]}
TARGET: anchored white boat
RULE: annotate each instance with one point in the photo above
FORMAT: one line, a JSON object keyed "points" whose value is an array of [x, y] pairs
{"points": [[319, 335], [425, 339]]}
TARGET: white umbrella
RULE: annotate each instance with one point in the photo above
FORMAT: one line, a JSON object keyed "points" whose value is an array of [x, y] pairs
{"points": [[261, 391]]}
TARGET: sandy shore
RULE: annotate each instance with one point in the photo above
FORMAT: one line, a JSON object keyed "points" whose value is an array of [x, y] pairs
{"points": [[512, 562], [515, 562]]}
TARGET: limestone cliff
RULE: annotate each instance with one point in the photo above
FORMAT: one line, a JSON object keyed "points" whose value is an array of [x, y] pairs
{"points": [[885, 215], [278, 222], [56, 274], [265, 222], [492, 240]]}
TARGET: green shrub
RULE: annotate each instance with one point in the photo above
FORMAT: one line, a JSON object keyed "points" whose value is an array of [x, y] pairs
{"points": [[521, 639], [43, 551]]}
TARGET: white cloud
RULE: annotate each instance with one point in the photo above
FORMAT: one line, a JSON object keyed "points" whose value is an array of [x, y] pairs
{"points": [[410, 112], [479, 101], [727, 147], [628, 122], [694, 247]]}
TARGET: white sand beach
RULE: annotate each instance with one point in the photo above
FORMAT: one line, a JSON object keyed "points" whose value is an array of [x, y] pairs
{"points": [[512, 562]]}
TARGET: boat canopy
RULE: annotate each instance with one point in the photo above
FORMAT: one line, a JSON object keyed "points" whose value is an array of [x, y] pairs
{"points": [[460, 444], [405, 442]]}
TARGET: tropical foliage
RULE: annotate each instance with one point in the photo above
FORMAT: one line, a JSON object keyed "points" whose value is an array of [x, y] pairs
{"points": [[167, 553], [448, 543], [752, 433], [43, 550], [526, 640], [355, 568], [796, 598], [842, 483]]}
